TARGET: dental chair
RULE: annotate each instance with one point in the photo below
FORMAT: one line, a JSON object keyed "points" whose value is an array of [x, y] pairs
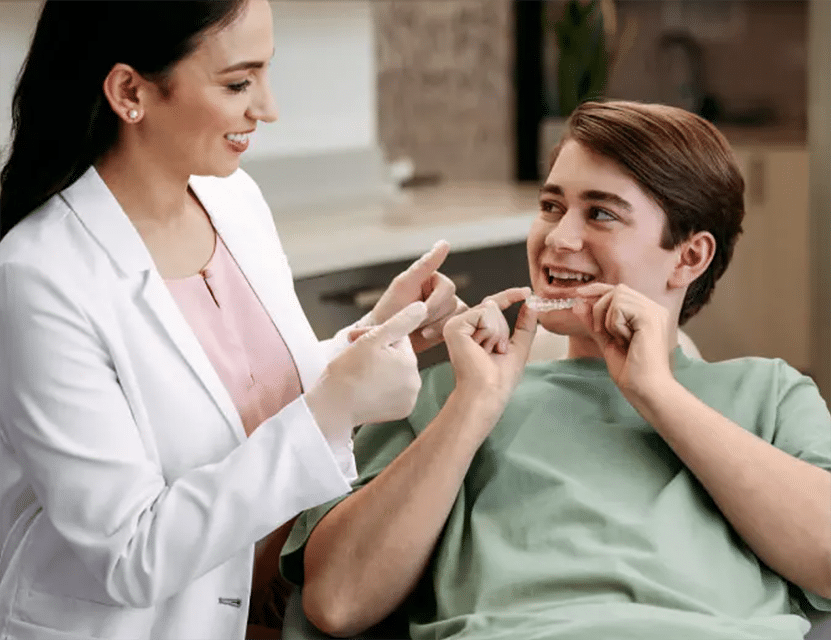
{"points": [[546, 346]]}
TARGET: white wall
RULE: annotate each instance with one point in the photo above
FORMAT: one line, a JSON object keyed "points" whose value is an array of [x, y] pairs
{"points": [[323, 74], [17, 23], [323, 77]]}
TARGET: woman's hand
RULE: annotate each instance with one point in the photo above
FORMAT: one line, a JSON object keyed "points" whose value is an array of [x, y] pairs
{"points": [[635, 334], [375, 379], [486, 358], [421, 281]]}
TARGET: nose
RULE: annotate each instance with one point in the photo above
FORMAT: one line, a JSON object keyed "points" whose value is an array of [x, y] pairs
{"points": [[263, 107], [567, 234]]}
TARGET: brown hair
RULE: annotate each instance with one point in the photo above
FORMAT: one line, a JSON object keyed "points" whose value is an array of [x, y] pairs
{"points": [[683, 162]]}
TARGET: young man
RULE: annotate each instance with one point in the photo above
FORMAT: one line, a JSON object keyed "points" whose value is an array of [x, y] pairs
{"points": [[625, 492]]}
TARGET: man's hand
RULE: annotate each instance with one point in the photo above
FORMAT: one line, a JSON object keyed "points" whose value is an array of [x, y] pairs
{"points": [[486, 358], [634, 333], [421, 281]]}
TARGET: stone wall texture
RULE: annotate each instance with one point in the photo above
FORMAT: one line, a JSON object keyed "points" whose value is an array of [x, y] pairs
{"points": [[445, 71], [445, 89]]}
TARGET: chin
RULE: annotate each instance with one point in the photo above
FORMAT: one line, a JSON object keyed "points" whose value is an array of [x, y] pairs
{"points": [[224, 172], [217, 169], [562, 322]]}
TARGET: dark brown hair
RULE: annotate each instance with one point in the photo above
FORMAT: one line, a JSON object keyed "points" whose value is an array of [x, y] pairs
{"points": [[61, 121], [683, 162]]}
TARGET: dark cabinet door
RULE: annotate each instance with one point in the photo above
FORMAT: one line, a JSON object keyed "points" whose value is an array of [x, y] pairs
{"points": [[334, 300]]}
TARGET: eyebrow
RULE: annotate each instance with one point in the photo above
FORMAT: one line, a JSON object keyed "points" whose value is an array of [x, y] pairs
{"points": [[592, 195], [241, 66]]}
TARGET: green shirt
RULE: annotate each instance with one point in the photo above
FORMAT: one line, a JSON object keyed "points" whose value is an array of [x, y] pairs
{"points": [[577, 521]]}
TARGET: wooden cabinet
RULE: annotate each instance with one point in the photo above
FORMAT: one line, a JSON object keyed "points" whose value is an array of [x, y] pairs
{"points": [[761, 306]]}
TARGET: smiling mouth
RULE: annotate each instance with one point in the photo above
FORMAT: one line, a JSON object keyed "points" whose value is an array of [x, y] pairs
{"points": [[566, 278], [239, 138]]}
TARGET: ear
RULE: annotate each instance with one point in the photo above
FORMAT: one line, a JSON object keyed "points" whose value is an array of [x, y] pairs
{"points": [[693, 256], [124, 89]]}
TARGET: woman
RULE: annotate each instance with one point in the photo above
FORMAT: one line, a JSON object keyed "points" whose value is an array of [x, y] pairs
{"points": [[164, 403]]}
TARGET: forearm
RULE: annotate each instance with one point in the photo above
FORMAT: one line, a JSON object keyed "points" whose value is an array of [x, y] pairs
{"points": [[368, 553], [779, 505]]}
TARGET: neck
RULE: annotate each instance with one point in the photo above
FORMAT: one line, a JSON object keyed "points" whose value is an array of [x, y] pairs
{"points": [[585, 347], [150, 193]]}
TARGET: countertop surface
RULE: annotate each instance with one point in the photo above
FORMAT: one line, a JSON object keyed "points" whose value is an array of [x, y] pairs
{"points": [[467, 215]]}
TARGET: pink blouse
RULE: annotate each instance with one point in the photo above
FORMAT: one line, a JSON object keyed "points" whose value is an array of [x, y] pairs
{"points": [[239, 338]]}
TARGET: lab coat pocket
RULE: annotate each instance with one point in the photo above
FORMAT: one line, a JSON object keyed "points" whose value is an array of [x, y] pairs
{"points": [[46, 616], [19, 630]]}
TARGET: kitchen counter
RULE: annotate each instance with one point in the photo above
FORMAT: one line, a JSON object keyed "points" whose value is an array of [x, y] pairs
{"points": [[467, 215]]}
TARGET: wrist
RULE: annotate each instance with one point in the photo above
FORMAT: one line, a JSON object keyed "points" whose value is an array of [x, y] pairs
{"points": [[328, 404], [655, 396], [479, 402]]}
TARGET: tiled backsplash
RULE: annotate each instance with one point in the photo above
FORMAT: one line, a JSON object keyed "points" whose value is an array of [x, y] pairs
{"points": [[445, 97]]}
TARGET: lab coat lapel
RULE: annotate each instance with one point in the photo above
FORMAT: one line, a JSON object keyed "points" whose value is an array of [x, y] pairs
{"points": [[161, 304], [104, 218], [265, 267]]}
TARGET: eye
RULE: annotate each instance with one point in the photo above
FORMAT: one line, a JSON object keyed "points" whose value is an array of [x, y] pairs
{"points": [[239, 87], [551, 208], [596, 213]]}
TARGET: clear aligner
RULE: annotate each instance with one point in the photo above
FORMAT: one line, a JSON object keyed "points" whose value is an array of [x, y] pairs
{"points": [[548, 304]]}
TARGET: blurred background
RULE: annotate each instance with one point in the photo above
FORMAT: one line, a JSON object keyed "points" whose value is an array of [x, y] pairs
{"points": [[406, 121]]}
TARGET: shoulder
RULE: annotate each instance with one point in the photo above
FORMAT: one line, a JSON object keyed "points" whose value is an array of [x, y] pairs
{"points": [[43, 232], [761, 393], [763, 372], [49, 253]]}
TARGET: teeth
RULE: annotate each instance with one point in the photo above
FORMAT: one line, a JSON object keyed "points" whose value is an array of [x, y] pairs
{"points": [[549, 304], [568, 275], [237, 137]]}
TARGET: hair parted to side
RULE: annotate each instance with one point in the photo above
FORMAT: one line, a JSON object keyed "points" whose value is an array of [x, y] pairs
{"points": [[683, 162], [61, 120]]}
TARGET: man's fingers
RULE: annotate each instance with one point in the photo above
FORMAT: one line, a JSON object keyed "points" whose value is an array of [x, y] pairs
{"points": [[434, 329], [600, 311], [617, 322], [506, 298], [401, 324], [524, 330], [594, 290], [584, 312]]}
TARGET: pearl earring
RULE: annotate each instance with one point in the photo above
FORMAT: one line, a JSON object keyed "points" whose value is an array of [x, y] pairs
{"points": [[132, 114]]}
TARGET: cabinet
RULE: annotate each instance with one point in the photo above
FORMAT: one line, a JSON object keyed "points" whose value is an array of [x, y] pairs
{"points": [[761, 306], [334, 300]]}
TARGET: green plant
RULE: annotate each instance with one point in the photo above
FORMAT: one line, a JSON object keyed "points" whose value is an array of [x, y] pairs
{"points": [[583, 67]]}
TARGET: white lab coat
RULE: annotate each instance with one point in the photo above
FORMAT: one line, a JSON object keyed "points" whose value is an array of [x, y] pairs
{"points": [[130, 497]]}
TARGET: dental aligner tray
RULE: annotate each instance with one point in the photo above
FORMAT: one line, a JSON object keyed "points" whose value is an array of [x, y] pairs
{"points": [[549, 304]]}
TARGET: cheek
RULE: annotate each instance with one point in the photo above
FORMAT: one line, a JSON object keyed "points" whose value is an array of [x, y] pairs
{"points": [[536, 240]]}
